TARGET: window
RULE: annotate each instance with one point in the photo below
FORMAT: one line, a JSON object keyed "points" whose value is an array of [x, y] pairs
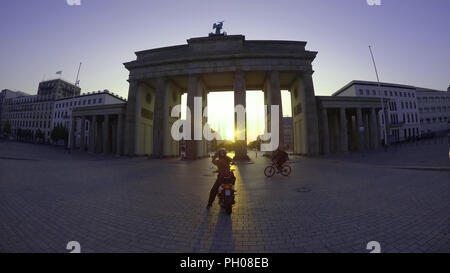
{"points": [[360, 92], [367, 92], [99, 100], [374, 92]]}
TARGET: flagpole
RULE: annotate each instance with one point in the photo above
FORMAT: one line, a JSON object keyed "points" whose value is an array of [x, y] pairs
{"points": [[381, 97], [76, 81]]}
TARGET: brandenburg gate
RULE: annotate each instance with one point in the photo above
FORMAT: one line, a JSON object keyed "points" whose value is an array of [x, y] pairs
{"points": [[158, 78]]}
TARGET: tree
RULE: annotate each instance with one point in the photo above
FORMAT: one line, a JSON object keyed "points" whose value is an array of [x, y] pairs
{"points": [[256, 144], [59, 132], [7, 127], [39, 135], [19, 134]]}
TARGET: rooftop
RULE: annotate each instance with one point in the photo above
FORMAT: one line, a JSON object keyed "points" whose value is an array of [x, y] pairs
{"points": [[95, 93], [59, 79], [370, 83]]}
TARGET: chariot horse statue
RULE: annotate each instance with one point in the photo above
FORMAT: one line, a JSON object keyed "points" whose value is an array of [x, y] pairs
{"points": [[218, 27]]}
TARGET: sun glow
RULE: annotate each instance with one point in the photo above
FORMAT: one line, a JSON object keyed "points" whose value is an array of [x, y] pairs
{"points": [[221, 108]]}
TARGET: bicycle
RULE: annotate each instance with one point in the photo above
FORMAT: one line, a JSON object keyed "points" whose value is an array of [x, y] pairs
{"points": [[270, 170]]}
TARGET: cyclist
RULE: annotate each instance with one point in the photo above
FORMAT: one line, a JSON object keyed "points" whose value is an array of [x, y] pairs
{"points": [[279, 157]]}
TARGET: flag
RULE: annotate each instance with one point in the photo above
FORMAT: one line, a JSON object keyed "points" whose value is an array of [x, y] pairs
{"points": [[59, 72]]}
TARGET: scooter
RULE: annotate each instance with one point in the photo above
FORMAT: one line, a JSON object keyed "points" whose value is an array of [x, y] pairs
{"points": [[226, 191]]}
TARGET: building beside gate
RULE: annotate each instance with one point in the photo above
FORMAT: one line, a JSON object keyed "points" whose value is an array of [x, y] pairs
{"points": [[30, 116], [434, 111], [62, 113], [411, 112], [402, 111]]}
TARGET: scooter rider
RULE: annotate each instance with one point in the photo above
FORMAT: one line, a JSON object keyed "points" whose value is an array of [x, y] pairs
{"points": [[223, 162]]}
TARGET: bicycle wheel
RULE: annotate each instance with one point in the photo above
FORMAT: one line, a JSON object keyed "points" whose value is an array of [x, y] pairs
{"points": [[269, 171], [286, 170]]}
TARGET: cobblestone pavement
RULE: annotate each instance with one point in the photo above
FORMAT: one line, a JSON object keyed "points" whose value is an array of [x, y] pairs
{"points": [[427, 153], [109, 204]]}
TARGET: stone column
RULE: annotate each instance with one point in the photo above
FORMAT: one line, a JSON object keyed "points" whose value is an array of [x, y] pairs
{"points": [[119, 134], [378, 129], [160, 117], [366, 131], [72, 136], [166, 134], [191, 145], [273, 94], [326, 134], [336, 133], [344, 133], [239, 99], [373, 129], [82, 133], [310, 114], [386, 126], [112, 137], [92, 134], [359, 124], [132, 118], [105, 134]]}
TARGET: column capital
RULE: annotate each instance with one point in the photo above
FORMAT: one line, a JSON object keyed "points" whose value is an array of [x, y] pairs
{"points": [[305, 73]]}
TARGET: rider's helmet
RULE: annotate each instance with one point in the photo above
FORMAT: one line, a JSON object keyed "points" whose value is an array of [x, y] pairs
{"points": [[222, 152]]}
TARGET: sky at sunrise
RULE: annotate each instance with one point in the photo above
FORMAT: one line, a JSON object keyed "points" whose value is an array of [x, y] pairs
{"points": [[410, 38]]}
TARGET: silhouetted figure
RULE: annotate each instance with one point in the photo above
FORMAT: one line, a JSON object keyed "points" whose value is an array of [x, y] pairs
{"points": [[279, 157], [223, 163]]}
